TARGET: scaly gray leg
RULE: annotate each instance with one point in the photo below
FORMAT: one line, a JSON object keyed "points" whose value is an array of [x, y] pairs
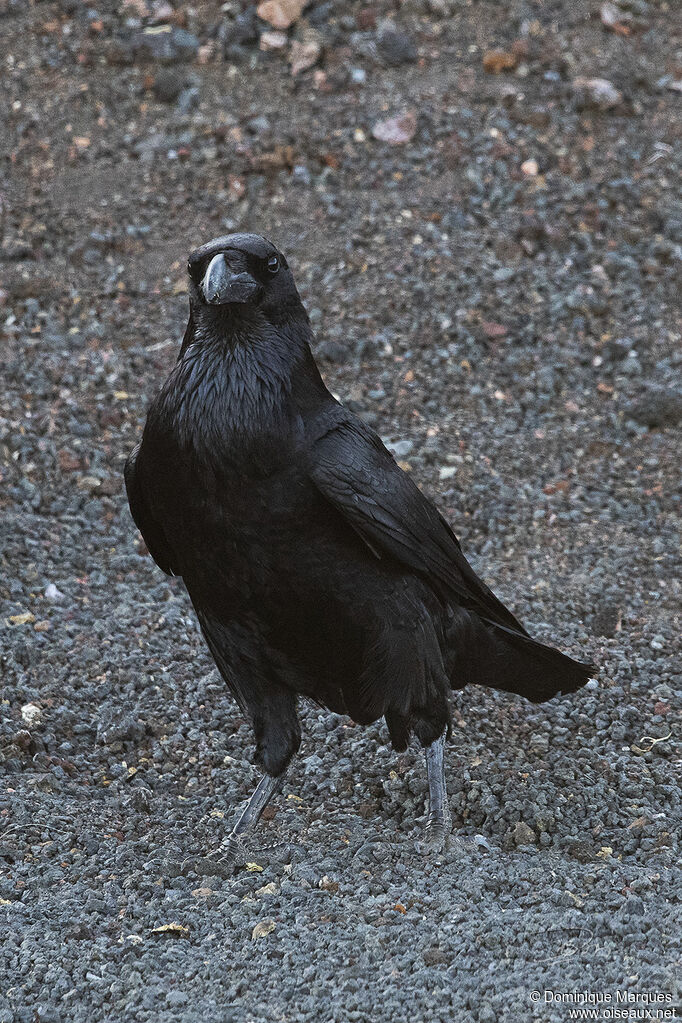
{"points": [[439, 821], [230, 852], [231, 847]]}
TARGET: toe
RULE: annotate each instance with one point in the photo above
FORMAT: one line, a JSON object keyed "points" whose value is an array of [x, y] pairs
{"points": [[436, 839]]}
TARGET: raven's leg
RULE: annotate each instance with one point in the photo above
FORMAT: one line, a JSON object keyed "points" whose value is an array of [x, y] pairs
{"points": [[231, 847], [278, 736], [439, 821], [230, 853]]}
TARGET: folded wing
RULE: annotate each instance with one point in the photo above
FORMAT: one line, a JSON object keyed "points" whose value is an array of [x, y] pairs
{"points": [[359, 477], [152, 533]]}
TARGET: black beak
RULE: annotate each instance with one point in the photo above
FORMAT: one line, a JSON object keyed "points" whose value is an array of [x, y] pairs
{"points": [[221, 286]]}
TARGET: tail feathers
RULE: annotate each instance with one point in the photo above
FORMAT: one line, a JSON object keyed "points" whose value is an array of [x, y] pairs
{"points": [[492, 655]]}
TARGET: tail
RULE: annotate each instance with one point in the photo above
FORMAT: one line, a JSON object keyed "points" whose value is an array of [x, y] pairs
{"points": [[493, 655]]}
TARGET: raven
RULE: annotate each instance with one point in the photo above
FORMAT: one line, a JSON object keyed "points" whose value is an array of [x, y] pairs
{"points": [[315, 565]]}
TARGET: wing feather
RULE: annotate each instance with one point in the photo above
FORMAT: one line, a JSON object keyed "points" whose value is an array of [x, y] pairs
{"points": [[359, 477], [152, 532]]}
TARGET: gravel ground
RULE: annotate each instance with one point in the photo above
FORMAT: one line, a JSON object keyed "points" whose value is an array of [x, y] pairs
{"points": [[498, 294]]}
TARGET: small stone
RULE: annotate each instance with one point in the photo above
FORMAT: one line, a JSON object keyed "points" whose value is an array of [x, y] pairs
{"points": [[523, 835], [435, 957], [162, 11], [258, 125], [166, 44], [659, 407], [22, 738], [396, 130], [176, 999], [606, 620], [596, 92], [401, 448], [539, 743], [580, 850], [281, 14], [135, 8], [301, 175], [503, 274], [168, 84], [614, 18], [52, 594], [334, 351], [26, 618], [263, 928], [321, 13], [188, 100], [31, 714], [273, 41], [497, 61], [185, 44], [395, 47], [240, 32], [305, 52], [267, 889], [530, 168]]}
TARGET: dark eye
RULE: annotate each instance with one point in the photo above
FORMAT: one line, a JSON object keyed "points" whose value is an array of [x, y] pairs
{"points": [[273, 264]]}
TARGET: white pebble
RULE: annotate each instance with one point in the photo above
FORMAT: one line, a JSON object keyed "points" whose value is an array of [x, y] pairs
{"points": [[53, 594], [31, 714]]}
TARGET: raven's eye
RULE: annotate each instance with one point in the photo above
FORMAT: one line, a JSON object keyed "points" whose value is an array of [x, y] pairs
{"points": [[273, 264]]}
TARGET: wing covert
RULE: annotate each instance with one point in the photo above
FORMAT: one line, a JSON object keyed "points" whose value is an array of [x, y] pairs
{"points": [[151, 531], [359, 477]]}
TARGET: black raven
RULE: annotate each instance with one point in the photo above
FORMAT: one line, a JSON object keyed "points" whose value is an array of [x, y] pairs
{"points": [[315, 565]]}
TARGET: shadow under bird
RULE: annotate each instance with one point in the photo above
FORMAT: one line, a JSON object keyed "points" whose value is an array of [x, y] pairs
{"points": [[315, 565]]}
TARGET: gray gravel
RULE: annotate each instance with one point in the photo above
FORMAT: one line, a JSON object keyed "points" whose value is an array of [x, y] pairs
{"points": [[513, 332]]}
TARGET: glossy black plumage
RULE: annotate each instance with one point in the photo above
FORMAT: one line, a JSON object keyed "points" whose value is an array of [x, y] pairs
{"points": [[315, 565]]}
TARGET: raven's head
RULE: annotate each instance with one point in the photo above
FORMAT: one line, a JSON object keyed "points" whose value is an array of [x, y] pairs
{"points": [[239, 276]]}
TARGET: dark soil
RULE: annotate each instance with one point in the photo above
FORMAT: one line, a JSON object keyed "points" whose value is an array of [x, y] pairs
{"points": [[499, 296]]}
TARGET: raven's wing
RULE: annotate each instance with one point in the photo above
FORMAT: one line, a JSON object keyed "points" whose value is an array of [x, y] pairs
{"points": [[359, 477], [152, 533]]}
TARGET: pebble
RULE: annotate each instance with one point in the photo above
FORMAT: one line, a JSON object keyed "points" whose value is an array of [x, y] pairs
{"points": [[596, 92], [523, 835], [165, 44], [395, 47], [606, 619], [658, 407], [53, 594], [273, 40], [168, 84], [189, 100], [400, 448], [31, 714], [240, 32]]}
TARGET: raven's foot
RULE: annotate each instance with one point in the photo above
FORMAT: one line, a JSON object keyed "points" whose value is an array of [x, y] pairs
{"points": [[230, 854], [231, 850], [437, 834], [224, 861]]}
